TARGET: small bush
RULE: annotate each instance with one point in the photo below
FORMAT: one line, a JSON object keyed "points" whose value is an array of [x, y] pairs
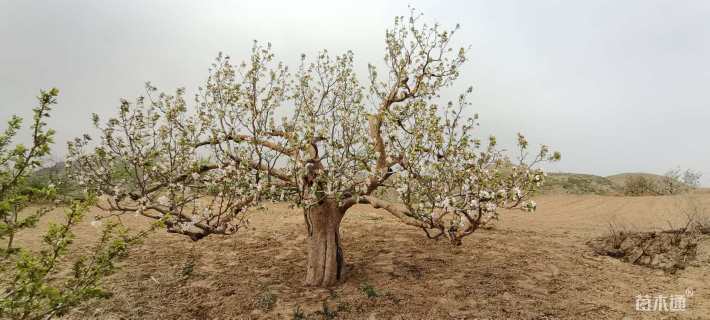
{"points": [[640, 186], [696, 215], [189, 267], [265, 301], [369, 290]]}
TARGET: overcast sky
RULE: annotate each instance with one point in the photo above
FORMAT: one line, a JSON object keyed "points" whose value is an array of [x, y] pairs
{"points": [[616, 86]]}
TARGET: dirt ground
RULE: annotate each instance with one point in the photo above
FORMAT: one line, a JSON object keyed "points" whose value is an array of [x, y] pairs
{"points": [[530, 266]]}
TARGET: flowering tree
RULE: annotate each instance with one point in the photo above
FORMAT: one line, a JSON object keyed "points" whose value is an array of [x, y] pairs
{"points": [[316, 137]]}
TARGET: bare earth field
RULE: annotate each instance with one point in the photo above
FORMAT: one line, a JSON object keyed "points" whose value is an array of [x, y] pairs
{"points": [[530, 266]]}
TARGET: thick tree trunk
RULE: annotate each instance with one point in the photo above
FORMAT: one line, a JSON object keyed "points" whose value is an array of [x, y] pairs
{"points": [[325, 266]]}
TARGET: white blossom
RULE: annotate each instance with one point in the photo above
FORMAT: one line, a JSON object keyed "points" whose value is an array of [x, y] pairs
{"points": [[473, 203], [491, 207], [163, 200]]}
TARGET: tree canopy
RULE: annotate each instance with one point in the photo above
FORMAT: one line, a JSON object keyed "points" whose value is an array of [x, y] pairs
{"points": [[317, 136]]}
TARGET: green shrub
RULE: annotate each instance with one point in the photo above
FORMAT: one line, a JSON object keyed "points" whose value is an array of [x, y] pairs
{"points": [[640, 186], [369, 290], [30, 282], [265, 301]]}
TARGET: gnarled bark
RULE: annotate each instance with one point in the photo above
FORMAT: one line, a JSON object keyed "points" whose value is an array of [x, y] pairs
{"points": [[325, 265]]}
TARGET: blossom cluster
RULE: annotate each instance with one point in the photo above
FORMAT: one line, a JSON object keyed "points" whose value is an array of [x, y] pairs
{"points": [[146, 163]]}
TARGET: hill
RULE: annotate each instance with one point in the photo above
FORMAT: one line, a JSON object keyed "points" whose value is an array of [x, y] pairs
{"points": [[579, 183], [55, 174]]}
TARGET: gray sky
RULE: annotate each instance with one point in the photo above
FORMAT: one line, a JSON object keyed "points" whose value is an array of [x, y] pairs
{"points": [[617, 86]]}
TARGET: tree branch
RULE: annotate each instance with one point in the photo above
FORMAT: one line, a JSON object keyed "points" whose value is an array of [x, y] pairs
{"points": [[402, 214], [246, 138]]}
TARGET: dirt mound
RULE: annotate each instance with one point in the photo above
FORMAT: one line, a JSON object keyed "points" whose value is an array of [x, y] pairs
{"points": [[667, 250]]}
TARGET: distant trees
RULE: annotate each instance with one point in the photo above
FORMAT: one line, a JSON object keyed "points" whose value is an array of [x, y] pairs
{"points": [[314, 136], [674, 181], [692, 178], [671, 182]]}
